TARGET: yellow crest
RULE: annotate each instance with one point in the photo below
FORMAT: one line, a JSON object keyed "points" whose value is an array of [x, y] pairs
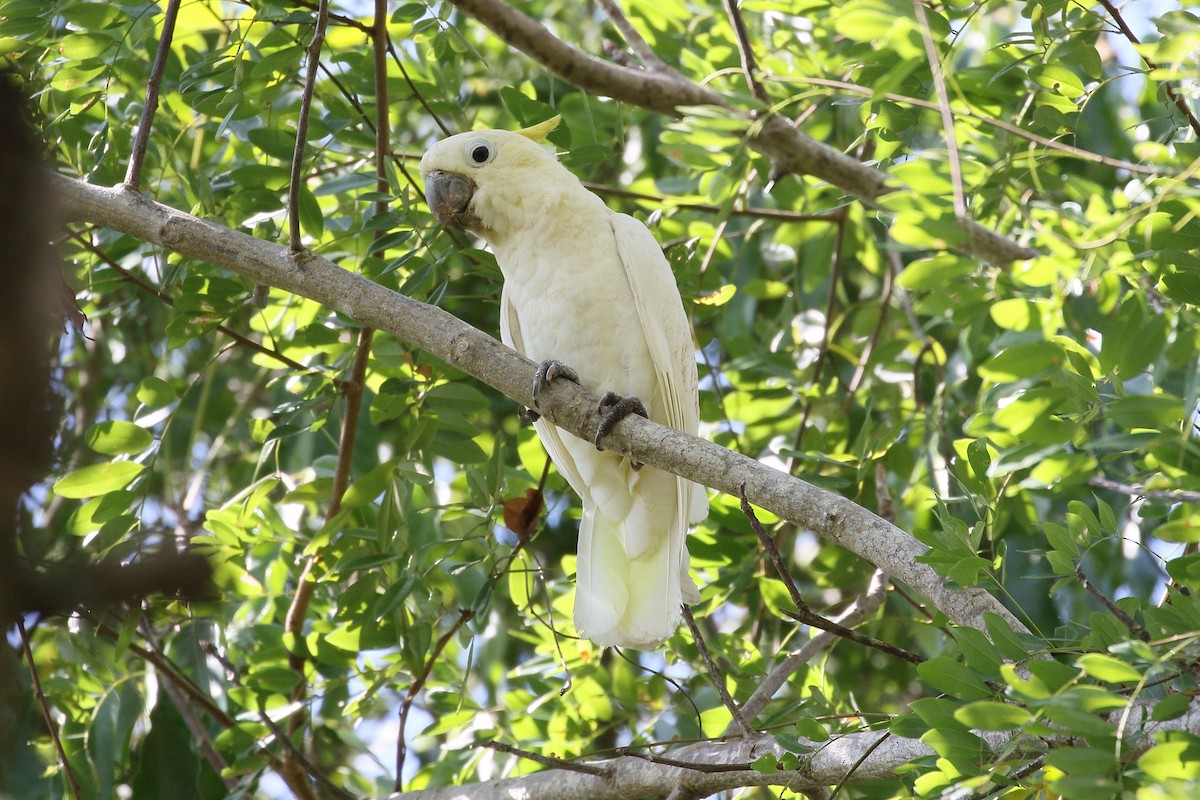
{"points": [[539, 132]]}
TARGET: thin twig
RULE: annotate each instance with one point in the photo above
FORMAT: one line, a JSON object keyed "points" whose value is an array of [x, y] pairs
{"points": [[293, 752], [187, 710], [669, 203], [1178, 100], [749, 63], [415, 688], [305, 586], [141, 138], [856, 612], [313, 54], [939, 86], [1134, 490], [717, 678], [1129, 622], [835, 272], [1007, 127], [803, 613], [637, 44], [676, 685], [860, 369], [549, 761], [696, 766], [415, 91], [381, 44], [858, 762], [51, 725]]}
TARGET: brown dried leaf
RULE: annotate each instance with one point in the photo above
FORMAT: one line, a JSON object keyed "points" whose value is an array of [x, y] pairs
{"points": [[520, 513]]}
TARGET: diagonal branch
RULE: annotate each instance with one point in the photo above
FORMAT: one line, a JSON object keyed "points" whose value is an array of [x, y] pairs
{"points": [[565, 404], [856, 612], [637, 44], [790, 150], [749, 62], [939, 85], [141, 137], [1176, 98], [310, 80]]}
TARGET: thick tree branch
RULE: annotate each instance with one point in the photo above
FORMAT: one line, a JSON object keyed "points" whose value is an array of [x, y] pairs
{"points": [[563, 403], [829, 763], [790, 150]]}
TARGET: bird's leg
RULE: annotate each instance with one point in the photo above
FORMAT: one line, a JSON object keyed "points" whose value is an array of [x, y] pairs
{"points": [[613, 409], [547, 371]]}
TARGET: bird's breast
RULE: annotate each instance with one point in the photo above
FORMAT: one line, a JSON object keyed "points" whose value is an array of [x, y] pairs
{"points": [[574, 304]]}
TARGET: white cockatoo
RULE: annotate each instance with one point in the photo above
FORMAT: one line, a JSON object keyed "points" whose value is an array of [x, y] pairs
{"points": [[589, 288]]}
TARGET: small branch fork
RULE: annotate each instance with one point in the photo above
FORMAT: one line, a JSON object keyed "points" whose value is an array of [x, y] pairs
{"points": [[803, 613]]}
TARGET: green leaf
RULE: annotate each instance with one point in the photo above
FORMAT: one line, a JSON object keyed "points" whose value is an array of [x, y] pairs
{"points": [[981, 655], [1172, 761], [1023, 361], [82, 46], [312, 219], [953, 678], [97, 479], [1081, 761], [1173, 706], [154, 392], [991, 715], [935, 273], [1108, 669], [114, 438]]}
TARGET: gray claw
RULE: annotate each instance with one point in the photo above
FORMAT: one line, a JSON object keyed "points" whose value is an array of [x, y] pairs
{"points": [[548, 371], [613, 409]]}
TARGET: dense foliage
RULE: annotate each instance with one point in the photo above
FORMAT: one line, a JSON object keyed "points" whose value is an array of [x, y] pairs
{"points": [[1034, 423]]}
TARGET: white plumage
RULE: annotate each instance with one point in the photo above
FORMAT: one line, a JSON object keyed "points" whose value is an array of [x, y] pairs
{"points": [[589, 288]]}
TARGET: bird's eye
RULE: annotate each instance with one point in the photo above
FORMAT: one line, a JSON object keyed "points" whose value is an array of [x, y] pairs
{"points": [[480, 151]]}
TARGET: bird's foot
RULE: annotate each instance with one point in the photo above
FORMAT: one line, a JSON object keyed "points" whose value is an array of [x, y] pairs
{"points": [[547, 371], [613, 409]]}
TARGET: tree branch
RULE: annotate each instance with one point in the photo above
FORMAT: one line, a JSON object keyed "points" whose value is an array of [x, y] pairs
{"points": [[871, 755], [565, 404], [47, 715], [1176, 98], [141, 137], [790, 150], [313, 54], [855, 613]]}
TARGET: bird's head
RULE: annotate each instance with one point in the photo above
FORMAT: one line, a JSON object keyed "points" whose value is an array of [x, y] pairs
{"points": [[488, 181]]}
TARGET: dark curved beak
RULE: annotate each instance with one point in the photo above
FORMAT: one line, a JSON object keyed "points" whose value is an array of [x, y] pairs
{"points": [[449, 196]]}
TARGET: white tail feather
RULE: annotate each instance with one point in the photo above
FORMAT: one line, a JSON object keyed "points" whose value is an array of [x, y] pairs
{"points": [[633, 574]]}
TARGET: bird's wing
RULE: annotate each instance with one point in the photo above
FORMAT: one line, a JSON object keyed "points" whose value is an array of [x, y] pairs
{"points": [[551, 436], [668, 337], [664, 323]]}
